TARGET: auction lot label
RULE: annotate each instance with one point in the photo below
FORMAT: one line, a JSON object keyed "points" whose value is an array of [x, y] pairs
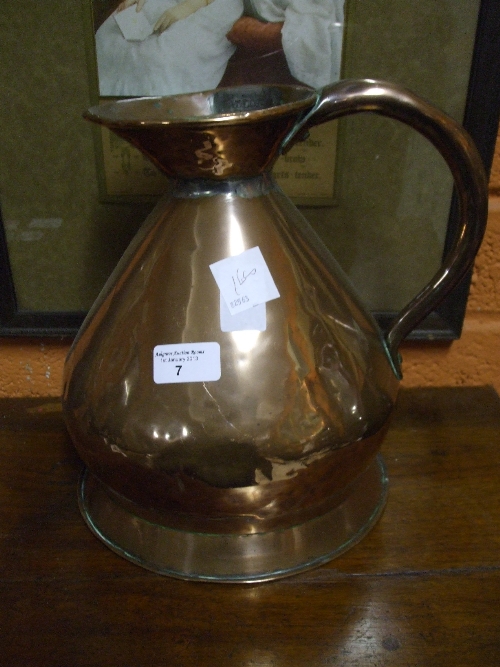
{"points": [[186, 362]]}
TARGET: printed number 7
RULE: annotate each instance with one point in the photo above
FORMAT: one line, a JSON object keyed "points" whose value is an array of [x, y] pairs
{"points": [[179, 367]]}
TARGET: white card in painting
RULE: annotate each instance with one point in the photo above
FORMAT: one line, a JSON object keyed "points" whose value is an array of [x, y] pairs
{"points": [[244, 280], [133, 24]]}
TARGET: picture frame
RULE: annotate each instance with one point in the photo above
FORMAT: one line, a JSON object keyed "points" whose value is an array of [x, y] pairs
{"points": [[42, 315], [121, 46]]}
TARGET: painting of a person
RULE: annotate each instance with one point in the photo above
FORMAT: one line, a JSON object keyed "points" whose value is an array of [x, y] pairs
{"points": [[201, 44], [187, 51], [287, 41]]}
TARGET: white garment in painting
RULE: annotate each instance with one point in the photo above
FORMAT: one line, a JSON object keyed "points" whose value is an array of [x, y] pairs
{"points": [[191, 55], [311, 35]]}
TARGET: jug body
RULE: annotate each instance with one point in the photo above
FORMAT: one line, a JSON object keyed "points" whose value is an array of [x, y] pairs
{"points": [[306, 386]]}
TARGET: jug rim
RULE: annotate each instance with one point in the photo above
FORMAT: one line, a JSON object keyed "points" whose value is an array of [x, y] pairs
{"points": [[205, 106]]}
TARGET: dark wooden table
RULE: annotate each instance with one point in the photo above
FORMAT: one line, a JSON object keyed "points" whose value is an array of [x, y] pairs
{"points": [[422, 589]]}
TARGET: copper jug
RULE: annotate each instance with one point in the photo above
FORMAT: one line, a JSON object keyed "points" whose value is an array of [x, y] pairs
{"points": [[228, 391]]}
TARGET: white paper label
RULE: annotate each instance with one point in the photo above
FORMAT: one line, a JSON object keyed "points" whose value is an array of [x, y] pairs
{"points": [[186, 362], [133, 24], [244, 280], [253, 319]]}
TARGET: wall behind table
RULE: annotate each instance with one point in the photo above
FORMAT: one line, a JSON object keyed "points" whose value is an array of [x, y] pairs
{"points": [[34, 367], [495, 171]]}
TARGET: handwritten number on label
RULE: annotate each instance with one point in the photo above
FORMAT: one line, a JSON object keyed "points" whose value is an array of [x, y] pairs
{"points": [[238, 302], [244, 280], [241, 278]]}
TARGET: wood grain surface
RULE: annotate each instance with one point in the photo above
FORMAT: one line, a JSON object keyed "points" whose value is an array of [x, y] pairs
{"points": [[422, 589]]}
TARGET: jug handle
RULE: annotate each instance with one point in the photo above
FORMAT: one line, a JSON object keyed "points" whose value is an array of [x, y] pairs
{"points": [[457, 148]]}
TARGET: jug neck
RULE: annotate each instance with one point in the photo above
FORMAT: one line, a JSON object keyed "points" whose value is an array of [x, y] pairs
{"points": [[247, 188]]}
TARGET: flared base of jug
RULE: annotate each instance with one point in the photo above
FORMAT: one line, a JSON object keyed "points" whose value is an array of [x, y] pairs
{"points": [[236, 558]]}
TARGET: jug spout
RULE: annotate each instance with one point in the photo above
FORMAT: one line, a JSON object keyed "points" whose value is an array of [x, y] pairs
{"points": [[228, 133]]}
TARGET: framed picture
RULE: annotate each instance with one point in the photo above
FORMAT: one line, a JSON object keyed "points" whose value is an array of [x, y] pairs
{"points": [[71, 197], [169, 47]]}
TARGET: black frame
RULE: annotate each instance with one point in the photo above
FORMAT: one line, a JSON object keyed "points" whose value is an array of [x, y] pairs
{"points": [[481, 120]]}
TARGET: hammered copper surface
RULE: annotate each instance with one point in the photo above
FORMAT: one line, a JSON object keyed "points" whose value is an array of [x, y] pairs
{"points": [[261, 442]]}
